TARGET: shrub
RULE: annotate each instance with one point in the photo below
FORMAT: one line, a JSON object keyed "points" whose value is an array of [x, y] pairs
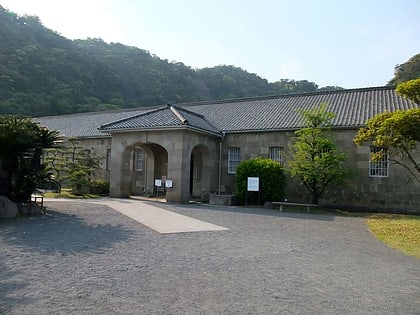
{"points": [[79, 181], [271, 184], [99, 187]]}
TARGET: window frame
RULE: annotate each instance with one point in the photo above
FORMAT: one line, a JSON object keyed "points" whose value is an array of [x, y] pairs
{"points": [[108, 160], [234, 158], [276, 153], [138, 160], [379, 168]]}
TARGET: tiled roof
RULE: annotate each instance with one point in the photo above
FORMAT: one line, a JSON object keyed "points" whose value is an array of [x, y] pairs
{"points": [[164, 117], [352, 108], [85, 124]]}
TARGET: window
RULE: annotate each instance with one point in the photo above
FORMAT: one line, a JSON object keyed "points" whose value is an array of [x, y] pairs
{"points": [[108, 160], [378, 164], [233, 159], [276, 154], [138, 159]]}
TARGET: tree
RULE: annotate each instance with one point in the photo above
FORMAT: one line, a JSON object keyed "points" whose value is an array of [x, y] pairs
{"points": [[410, 90], [73, 165], [407, 71], [271, 175], [315, 159], [399, 132], [21, 142]]}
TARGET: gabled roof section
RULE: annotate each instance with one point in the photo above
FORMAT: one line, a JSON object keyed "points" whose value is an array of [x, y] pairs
{"points": [[164, 117]]}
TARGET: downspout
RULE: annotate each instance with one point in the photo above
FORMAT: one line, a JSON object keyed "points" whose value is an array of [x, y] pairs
{"points": [[220, 160]]}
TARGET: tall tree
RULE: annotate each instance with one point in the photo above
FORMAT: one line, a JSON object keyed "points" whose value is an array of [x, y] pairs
{"points": [[398, 132], [315, 159]]}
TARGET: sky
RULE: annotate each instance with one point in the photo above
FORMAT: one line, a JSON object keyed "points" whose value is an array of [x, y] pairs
{"points": [[347, 43]]}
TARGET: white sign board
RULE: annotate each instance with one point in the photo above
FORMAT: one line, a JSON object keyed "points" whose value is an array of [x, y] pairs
{"points": [[169, 183], [253, 184], [158, 182]]}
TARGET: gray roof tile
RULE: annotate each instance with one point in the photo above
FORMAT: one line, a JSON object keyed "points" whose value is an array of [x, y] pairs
{"points": [[352, 108], [164, 117]]}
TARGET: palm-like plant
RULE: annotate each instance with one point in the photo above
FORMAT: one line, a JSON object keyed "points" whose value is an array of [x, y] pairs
{"points": [[21, 143]]}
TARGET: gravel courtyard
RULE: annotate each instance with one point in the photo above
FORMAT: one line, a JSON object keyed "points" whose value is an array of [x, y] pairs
{"points": [[86, 258]]}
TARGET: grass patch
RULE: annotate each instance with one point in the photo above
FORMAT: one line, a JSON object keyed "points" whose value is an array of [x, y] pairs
{"points": [[66, 193], [401, 232]]}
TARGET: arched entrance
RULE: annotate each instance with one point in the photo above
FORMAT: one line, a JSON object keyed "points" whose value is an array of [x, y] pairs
{"points": [[149, 163], [136, 167]]}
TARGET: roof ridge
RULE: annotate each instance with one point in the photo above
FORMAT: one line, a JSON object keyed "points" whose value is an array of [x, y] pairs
{"points": [[178, 115], [188, 111], [197, 115]]}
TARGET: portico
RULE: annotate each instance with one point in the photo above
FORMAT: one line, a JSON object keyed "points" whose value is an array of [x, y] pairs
{"points": [[178, 151]]}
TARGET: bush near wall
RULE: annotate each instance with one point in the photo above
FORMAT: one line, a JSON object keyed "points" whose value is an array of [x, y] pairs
{"points": [[99, 187], [272, 180]]}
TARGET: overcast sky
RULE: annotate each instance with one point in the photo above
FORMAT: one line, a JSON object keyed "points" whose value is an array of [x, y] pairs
{"points": [[350, 43]]}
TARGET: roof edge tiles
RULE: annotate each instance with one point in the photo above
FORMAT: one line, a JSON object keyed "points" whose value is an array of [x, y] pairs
{"points": [[180, 127]]}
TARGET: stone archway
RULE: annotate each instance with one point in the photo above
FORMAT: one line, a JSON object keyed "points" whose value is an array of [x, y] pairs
{"points": [[127, 178], [149, 162]]}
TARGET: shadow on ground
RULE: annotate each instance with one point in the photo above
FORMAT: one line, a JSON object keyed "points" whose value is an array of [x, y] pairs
{"points": [[257, 211], [9, 284], [63, 233]]}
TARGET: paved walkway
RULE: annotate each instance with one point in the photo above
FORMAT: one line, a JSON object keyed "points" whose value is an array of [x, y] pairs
{"points": [[160, 220], [87, 258]]}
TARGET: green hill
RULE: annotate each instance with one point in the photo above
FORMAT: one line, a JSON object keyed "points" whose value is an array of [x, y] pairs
{"points": [[43, 73]]}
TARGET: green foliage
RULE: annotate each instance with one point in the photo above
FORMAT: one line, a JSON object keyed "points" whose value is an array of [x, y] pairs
{"points": [[410, 90], [22, 142], [79, 181], [99, 187], [272, 180], [315, 159], [407, 71], [43, 73], [73, 165], [399, 132]]}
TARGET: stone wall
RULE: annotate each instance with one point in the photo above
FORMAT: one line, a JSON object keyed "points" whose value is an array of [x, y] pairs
{"points": [[398, 191]]}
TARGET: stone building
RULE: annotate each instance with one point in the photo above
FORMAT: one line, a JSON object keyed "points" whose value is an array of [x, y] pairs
{"points": [[191, 150]]}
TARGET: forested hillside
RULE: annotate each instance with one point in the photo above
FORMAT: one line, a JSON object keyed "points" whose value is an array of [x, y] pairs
{"points": [[407, 71], [43, 73]]}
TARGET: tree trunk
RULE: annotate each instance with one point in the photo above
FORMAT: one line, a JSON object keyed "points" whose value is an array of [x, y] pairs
{"points": [[314, 197]]}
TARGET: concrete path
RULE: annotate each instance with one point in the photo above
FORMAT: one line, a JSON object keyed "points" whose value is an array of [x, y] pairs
{"points": [[160, 220]]}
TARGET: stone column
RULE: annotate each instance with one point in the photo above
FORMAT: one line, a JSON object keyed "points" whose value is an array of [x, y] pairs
{"points": [[179, 173], [120, 171]]}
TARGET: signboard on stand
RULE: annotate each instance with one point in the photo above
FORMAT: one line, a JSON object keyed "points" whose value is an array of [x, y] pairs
{"points": [[253, 184]]}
